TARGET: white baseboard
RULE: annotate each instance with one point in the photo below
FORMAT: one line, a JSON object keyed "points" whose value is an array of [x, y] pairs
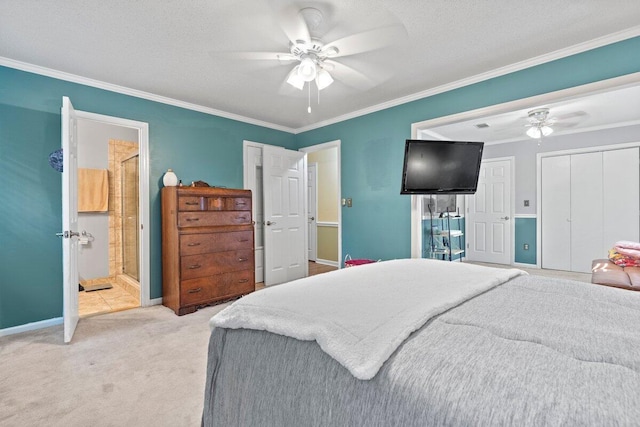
{"points": [[522, 264], [155, 301], [31, 326], [49, 322], [327, 262]]}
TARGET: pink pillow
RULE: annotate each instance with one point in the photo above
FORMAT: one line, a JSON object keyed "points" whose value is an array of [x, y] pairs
{"points": [[631, 253], [627, 244]]}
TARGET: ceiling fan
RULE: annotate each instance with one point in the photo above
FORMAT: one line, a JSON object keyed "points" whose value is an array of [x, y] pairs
{"points": [[314, 61], [541, 125]]}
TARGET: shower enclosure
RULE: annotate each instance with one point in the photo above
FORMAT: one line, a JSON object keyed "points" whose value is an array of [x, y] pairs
{"points": [[130, 217]]}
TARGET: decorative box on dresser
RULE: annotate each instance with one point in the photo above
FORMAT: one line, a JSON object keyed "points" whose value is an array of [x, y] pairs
{"points": [[207, 246]]}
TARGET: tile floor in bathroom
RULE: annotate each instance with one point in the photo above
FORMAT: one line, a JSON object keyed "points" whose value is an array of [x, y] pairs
{"points": [[105, 301]]}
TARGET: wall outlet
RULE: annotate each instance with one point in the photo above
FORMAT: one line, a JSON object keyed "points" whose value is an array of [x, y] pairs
{"points": [[526, 246]]}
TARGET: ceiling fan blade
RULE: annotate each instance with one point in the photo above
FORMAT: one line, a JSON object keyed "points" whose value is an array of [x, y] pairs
{"points": [[260, 56], [570, 115], [293, 23], [367, 40], [350, 76]]}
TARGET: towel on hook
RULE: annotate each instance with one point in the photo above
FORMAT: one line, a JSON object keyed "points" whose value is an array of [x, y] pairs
{"points": [[93, 190]]}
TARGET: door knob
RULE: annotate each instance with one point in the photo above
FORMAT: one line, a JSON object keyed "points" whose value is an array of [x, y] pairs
{"points": [[313, 218], [269, 222], [504, 217]]}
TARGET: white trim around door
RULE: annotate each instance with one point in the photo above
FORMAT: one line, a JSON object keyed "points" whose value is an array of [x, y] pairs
{"points": [[323, 146]]}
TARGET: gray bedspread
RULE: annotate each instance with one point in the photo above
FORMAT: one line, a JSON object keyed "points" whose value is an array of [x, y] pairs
{"points": [[532, 352]]}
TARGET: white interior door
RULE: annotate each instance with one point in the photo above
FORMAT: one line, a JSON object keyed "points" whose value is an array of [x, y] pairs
{"points": [[69, 219], [253, 182], [489, 215], [586, 210], [285, 214], [312, 197], [555, 212], [621, 202]]}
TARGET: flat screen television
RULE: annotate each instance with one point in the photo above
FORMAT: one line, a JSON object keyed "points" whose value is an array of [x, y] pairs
{"points": [[441, 167]]}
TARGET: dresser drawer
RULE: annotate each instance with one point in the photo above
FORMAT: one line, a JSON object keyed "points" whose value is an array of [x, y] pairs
{"points": [[191, 203], [219, 286], [208, 219], [192, 266], [193, 244], [237, 204]]}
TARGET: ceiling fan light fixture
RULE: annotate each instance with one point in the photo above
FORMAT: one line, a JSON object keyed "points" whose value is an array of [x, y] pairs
{"points": [[537, 132], [294, 78], [534, 132], [323, 79], [307, 69]]}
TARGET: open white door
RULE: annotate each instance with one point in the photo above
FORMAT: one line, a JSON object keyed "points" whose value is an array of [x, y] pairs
{"points": [[285, 214], [69, 219], [312, 214], [489, 215]]}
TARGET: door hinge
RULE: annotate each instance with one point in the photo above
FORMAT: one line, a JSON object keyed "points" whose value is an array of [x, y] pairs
{"points": [[68, 234]]}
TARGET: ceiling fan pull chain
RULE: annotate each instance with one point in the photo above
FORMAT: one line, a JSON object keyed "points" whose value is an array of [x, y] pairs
{"points": [[309, 99]]}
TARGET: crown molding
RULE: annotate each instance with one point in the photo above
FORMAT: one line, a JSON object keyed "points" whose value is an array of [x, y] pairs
{"points": [[61, 75], [558, 54], [518, 66]]}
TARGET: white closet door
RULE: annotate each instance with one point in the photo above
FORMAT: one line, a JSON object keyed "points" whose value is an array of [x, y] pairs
{"points": [[586, 210], [621, 198], [556, 212]]}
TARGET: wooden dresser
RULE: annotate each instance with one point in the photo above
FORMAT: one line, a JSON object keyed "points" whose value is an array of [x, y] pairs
{"points": [[207, 246]]}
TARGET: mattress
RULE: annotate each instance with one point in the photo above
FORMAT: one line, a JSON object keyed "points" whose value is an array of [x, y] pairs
{"points": [[532, 351]]}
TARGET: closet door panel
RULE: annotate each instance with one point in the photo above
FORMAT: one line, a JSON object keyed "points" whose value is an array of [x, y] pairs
{"points": [[556, 212], [621, 197], [586, 210]]}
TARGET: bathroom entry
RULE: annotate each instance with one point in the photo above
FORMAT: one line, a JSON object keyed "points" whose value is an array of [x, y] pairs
{"points": [[108, 219], [78, 134]]}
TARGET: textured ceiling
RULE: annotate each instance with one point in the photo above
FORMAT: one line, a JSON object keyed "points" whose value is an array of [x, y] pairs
{"points": [[177, 49]]}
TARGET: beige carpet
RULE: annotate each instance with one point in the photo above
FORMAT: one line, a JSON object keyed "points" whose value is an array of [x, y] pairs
{"points": [[141, 367]]}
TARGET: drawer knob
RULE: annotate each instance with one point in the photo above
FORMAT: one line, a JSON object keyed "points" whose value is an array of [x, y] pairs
{"points": [[194, 266], [193, 219], [243, 280], [242, 259], [193, 244], [194, 291]]}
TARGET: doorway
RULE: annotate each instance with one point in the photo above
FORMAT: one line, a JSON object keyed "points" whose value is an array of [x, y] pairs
{"points": [[253, 172], [489, 214], [327, 223], [97, 158]]}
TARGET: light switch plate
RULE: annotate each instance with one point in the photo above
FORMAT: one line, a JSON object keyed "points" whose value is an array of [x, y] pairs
{"points": [[349, 202]]}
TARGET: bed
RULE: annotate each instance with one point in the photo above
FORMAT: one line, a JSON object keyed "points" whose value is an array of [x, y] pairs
{"points": [[457, 344]]}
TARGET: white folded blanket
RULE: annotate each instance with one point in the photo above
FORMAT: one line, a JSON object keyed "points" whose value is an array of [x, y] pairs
{"points": [[360, 315]]}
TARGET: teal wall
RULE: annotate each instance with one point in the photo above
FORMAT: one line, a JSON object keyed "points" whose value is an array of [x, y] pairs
{"points": [[525, 233], [377, 225], [209, 148], [197, 146]]}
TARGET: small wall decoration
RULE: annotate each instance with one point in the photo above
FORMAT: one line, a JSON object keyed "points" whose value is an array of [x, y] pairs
{"points": [[55, 160]]}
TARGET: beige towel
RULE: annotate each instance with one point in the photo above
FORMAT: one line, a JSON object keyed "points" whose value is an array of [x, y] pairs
{"points": [[93, 190]]}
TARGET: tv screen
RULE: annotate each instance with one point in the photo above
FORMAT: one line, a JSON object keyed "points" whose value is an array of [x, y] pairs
{"points": [[441, 167]]}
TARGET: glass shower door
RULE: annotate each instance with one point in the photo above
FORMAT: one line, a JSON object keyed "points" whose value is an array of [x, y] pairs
{"points": [[130, 217]]}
